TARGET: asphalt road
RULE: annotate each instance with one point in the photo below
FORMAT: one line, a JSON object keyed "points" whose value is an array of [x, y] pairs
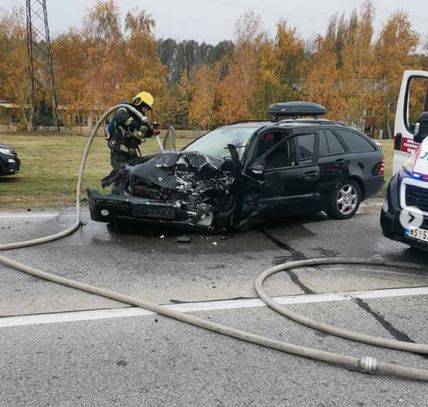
{"points": [[62, 347]]}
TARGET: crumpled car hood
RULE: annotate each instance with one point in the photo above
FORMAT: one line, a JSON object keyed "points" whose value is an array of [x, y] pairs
{"points": [[167, 170], [199, 186]]}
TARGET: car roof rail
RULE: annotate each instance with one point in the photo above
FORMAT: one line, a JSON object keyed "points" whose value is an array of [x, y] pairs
{"points": [[312, 121], [249, 121]]}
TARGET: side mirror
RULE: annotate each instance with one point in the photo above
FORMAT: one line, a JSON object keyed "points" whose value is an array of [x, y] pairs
{"points": [[257, 169]]}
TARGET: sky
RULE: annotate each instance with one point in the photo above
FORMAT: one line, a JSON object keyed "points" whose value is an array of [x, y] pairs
{"points": [[213, 20]]}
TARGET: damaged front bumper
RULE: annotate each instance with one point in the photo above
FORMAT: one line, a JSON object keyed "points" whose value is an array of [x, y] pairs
{"points": [[120, 209], [186, 190]]}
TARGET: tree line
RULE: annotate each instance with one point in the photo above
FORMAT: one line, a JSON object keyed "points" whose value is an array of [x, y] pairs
{"points": [[352, 70]]}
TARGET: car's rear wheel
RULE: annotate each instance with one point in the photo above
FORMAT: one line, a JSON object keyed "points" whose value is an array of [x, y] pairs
{"points": [[345, 200]]}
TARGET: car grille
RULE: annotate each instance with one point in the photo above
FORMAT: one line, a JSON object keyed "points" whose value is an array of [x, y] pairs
{"points": [[416, 196]]}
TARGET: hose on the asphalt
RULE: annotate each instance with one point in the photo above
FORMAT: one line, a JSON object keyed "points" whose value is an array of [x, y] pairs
{"points": [[77, 221], [365, 364], [330, 329]]}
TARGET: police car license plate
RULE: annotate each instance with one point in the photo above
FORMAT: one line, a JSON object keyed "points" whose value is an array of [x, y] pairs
{"points": [[418, 234]]}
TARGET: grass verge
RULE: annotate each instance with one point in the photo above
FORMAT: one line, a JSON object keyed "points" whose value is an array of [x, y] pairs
{"points": [[50, 165]]}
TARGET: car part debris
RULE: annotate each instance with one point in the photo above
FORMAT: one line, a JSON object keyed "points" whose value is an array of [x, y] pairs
{"points": [[183, 239]]}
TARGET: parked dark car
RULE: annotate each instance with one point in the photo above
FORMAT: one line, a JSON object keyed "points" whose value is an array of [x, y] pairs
{"points": [[9, 161], [246, 172]]}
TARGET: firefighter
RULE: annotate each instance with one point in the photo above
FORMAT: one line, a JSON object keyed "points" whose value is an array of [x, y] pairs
{"points": [[127, 131]]}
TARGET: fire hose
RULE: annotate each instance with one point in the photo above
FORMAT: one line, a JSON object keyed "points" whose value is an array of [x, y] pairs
{"points": [[365, 364]]}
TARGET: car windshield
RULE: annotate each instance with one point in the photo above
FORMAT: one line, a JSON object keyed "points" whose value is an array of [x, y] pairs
{"points": [[215, 142]]}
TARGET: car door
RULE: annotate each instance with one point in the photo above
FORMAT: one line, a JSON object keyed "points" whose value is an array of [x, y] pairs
{"points": [[332, 160], [285, 176]]}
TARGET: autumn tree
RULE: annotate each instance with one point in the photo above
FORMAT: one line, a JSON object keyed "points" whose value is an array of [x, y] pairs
{"points": [[322, 80], [357, 74], [69, 56], [105, 53], [142, 67], [395, 51], [13, 61], [281, 67], [202, 106], [178, 102], [237, 91]]}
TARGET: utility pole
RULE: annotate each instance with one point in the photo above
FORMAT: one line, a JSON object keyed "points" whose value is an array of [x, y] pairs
{"points": [[40, 67]]}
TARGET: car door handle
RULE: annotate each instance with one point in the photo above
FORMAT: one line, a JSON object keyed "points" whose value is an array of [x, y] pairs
{"points": [[340, 161], [310, 175]]}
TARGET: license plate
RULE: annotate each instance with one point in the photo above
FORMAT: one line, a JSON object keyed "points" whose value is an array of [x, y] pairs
{"points": [[418, 234], [154, 212]]}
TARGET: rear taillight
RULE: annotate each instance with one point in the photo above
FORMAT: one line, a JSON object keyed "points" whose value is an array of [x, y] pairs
{"points": [[381, 169]]}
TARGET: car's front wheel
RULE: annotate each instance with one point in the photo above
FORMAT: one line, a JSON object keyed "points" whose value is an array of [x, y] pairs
{"points": [[345, 200]]}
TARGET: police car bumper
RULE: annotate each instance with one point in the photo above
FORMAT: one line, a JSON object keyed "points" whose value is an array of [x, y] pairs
{"points": [[121, 209], [391, 217]]}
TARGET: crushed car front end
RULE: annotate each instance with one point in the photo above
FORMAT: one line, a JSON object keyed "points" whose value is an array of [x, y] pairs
{"points": [[187, 190]]}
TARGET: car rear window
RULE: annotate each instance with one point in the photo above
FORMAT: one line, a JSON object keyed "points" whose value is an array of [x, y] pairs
{"points": [[334, 145], [355, 142]]}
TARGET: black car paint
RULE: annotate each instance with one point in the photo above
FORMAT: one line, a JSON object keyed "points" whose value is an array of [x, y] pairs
{"points": [[7, 168], [266, 193], [307, 187]]}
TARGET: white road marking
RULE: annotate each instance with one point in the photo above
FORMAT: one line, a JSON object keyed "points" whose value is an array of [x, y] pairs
{"points": [[394, 272], [369, 270], [7, 322], [28, 215]]}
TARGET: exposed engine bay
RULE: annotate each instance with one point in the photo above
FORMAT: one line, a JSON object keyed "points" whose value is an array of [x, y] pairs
{"points": [[182, 186]]}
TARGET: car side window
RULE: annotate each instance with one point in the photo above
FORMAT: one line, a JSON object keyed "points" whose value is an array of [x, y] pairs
{"points": [[266, 141], [305, 147], [355, 142], [323, 146], [334, 145], [280, 157]]}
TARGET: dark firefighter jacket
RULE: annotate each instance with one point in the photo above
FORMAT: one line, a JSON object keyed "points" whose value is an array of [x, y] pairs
{"points": [[127, 130]]}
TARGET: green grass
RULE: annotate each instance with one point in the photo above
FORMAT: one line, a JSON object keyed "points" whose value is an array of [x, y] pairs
{"points": [[50, 164]]}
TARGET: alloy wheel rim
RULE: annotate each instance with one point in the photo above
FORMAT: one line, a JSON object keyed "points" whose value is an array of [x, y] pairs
{"points": [[347, 199]]}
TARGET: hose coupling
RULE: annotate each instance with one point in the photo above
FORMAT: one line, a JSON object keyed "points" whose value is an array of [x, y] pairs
{"points": [[367, 364]]}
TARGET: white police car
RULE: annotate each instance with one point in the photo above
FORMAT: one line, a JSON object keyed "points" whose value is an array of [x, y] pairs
{"points": [[404, 215]]}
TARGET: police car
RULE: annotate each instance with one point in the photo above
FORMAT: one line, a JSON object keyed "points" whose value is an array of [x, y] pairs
{"points": [[404, 215]]}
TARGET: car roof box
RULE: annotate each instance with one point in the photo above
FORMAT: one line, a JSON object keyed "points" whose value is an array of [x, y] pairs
{"points": [[296, 109]]}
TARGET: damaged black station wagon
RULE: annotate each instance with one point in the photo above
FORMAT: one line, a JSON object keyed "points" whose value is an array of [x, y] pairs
{"points": [[247, 172]]}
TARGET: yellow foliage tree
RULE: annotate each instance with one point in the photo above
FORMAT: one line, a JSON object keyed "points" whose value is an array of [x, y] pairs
{"points": [[237, 90], [322, 80], [142, 68], [201, 112], [357, 74], [395, 51], [13, 61]]}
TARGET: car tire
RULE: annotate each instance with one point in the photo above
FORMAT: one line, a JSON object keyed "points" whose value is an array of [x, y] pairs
{"points": [[345, 200]]}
